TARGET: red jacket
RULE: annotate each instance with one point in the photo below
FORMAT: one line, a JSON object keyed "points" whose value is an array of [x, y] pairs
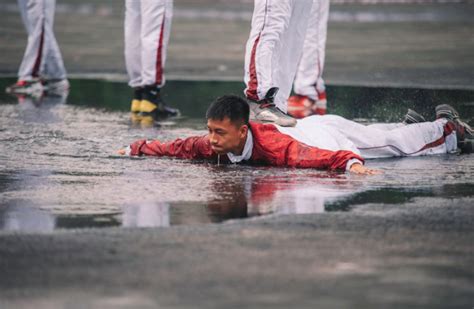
{"points": [[270, 147]]}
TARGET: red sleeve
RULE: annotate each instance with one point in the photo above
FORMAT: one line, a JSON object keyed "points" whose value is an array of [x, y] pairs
{"points": [[301, 155], [276, 148], [196, 147]]}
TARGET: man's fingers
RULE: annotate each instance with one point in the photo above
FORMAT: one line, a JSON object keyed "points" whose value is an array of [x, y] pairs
{"points": [[121, 152], [374, 172]]}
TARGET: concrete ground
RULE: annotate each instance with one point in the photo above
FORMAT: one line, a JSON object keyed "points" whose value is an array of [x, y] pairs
{"points": [[418, 254], [408, 45]]}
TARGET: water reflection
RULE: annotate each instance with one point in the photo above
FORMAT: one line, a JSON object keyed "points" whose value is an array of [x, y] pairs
{"points": [[21, 217], [146, 215], [233, 200], [58, 168]]}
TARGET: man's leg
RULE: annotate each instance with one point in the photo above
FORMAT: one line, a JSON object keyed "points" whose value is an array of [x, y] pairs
{"points": [[155, 32], [54, 70], [133, 48], [408, 140], [156, 23], [271, 22], [33, 16], [309, 84], [292, 47]]}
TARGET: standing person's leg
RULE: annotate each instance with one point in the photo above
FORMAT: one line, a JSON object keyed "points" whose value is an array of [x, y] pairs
{"points": [[155, 32], [292, 47], [309, 86], [33, 16], [53, 69], [270, 21], [133, 47]]}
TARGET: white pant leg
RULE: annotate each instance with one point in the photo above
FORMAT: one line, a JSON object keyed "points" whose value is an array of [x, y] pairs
{"points": [[309, 81], [274, 47], [270, 20], [386, 126], [33, 15], [133, 46], [42, 56], [410, 140], [292, 47], [155, 29], [53, 60]]}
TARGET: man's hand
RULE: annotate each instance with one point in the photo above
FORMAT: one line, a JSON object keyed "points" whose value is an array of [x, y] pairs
{"points": [[358, 168], [122, 152]]}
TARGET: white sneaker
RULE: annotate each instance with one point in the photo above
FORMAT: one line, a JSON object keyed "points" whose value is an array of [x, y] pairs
{"points": [[29, 87], [57, 86], [268, 112]]}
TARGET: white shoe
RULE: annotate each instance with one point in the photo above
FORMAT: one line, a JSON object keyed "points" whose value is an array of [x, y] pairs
{"points": [[29, 87], [57, 86], [268, 112]]}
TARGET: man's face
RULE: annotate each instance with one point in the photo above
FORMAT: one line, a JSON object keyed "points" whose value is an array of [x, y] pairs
{"points": [[226, 136]]}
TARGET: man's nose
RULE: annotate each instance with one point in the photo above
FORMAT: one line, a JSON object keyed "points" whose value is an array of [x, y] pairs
{"points": [[213, 139]]}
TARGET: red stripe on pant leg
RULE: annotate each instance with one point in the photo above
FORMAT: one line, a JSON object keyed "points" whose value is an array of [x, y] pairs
{"points": [[159, 66], [39, 55], [449, 128], [251, 92]]}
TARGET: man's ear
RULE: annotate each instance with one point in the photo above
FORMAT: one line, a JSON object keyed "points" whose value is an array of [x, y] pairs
{"points": [[243, 130]]}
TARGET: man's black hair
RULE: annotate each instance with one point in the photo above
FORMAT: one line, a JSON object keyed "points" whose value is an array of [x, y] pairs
{"points": [[231, 106]]}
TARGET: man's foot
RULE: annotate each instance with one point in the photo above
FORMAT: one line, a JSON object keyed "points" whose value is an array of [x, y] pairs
{"points": [[266, 111], [300, 106], [56, 86], [464, 132], [413, 117], [26, 87], [446, 111], [136, 104], [320, 106], [153, 105]]}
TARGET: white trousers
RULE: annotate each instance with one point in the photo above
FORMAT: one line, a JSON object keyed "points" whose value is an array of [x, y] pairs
{"points": [[147, 31], [374, 141], [274, 47], [42, 56], [309, 81]]}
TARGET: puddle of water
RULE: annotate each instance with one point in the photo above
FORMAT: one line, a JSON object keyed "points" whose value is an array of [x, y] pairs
{"points": [[58, 167]]}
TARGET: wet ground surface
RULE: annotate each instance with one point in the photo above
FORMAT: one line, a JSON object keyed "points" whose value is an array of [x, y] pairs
{"points": [[81, 227], [60, 168]]}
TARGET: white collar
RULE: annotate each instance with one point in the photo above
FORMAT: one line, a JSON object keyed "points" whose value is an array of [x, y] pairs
{"points": [[246, 153]]}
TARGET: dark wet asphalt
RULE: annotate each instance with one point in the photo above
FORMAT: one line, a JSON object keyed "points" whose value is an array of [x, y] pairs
{"points": [[70, 208], [60, 168]]}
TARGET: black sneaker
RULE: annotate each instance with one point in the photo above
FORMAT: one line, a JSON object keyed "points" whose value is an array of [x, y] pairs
{"points": [[266, 111], [413, 117], [464, 132], [153, 105]]}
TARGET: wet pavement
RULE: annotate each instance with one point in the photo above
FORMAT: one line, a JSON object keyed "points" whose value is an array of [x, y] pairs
{"points": [[81, 227], [60, 168]]}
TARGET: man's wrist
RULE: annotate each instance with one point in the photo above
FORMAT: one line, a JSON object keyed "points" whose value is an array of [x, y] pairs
{"points": [[352, 162]]}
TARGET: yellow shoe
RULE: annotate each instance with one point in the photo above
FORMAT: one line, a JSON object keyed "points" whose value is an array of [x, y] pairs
{"points": [[148, 107], [137, 100]]}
